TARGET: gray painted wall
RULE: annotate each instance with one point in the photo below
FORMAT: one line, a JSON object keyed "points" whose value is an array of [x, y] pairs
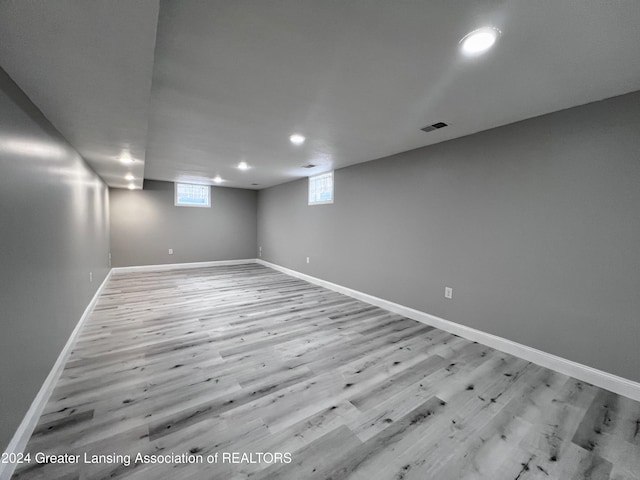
{"points": [[145, 224], [54, 230], [535, 225]]}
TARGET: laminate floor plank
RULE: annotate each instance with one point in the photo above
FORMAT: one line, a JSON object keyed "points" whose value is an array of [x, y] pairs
{"points": [[242, 359]]}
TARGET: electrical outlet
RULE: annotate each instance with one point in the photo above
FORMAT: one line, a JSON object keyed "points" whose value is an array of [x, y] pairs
{"points": [[259, 251], [171, 251], [90, 276], [448, 292], [307, 259]]}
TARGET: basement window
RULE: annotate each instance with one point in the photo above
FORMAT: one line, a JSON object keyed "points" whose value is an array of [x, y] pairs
{"points": [[321, 189], [189, 195]]}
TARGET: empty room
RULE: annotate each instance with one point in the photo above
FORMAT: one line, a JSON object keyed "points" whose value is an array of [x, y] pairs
{"points": [[320, 239]]}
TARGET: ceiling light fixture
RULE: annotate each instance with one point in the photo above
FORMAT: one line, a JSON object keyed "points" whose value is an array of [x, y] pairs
{"points": [[129, 177], [479, 41], [217, 179], [126, 157], [297, 139], [132, 186], [243, 166]]}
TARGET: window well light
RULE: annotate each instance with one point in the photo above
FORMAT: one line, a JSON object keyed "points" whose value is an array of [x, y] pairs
{"points": [[132, 186], [479, 41], [297, 139], [129, 177], [217, 179], [243, 166]]}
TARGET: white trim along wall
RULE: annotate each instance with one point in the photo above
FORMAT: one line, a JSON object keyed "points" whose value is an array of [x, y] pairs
{"points": [[25, 429], [619, 385]]}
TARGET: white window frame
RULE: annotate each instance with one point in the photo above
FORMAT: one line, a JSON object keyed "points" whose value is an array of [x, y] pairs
{"points": [[312, 185], [178, 204]]}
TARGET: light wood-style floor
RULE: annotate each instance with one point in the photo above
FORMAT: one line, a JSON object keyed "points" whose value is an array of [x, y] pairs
{"points": [[246, 359]]}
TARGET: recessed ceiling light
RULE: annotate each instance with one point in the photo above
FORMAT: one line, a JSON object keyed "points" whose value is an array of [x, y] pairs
{"points": [[129, 177], [297, 139], [126, 157], [479, 41], [217, 179], [243, 166], [132, 186]]}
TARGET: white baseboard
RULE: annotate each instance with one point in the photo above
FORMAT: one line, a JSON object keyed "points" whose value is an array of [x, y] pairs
{"points": [[608, 381], [178, 266], [30, 420]]}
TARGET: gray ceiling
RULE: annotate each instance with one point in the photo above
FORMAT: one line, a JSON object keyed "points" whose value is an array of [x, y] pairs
{"points": [[229, 81], [87, 66]]}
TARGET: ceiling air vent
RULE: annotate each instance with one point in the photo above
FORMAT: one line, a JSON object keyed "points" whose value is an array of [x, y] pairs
{"points": [[435, 126], [311, 165]]}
